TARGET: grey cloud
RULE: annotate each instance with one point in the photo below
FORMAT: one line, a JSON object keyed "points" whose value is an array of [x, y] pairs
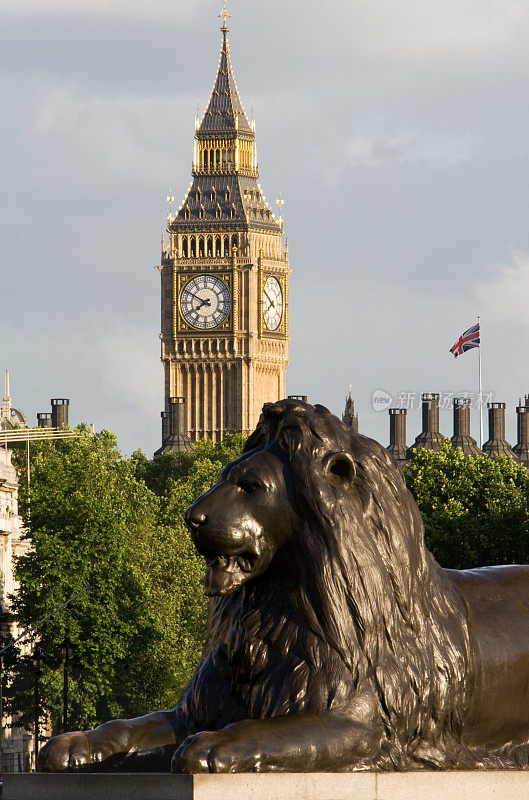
{"points": [[397, 133]]}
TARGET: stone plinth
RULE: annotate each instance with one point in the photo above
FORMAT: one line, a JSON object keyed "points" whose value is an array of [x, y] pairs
{"points": [[287, 786]]}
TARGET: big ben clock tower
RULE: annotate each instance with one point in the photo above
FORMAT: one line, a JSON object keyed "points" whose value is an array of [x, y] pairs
{"points": [[224, 282]]}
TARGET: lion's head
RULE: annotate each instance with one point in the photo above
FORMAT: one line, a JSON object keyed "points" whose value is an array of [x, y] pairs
{"points": [[244, 520], [321, 515]]}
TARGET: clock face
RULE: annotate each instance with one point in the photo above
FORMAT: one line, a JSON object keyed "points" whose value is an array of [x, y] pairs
{"points": [[205, 302], [272, 303]]}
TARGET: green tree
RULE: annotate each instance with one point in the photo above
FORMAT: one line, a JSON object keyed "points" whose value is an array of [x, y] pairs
{"points": [[85, 516], [475, 508], [115, 525], [173, 569]]}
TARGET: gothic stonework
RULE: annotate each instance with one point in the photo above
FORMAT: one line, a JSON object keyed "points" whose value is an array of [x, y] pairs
{"points": [[224, 276]]}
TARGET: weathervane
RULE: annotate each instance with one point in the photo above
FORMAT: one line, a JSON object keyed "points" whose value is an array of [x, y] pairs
{"points": [[225, 15]]}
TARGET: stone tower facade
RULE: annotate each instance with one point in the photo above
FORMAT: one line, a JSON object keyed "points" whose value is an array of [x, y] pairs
{"points": [[224, 283]]}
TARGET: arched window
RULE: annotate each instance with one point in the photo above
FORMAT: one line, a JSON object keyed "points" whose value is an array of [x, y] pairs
{"points": [[226, 245], [199, 195], [218, 212], [232, 212], [201, 247], [228, 194], [193, 247], [218, 246], [210, 246], [213, 194], [235, 241], [205, 155], [185, 247], [223, 154], [217, 159], [202, 212], [186, 212]]}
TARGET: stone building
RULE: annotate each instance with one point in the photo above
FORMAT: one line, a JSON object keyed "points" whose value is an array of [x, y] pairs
{"points": [[16, 745], [224, 283]]}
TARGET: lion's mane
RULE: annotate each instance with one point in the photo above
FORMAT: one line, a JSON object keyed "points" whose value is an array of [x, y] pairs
{"points": [[368, 606]]}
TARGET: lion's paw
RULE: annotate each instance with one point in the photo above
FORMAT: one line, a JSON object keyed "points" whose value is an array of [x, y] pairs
{"points": [[215, 751], [67, 751]]}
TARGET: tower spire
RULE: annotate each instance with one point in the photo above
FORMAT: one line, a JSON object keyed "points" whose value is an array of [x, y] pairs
{"points": [[6, 405], [225, 16], [224, 113]]}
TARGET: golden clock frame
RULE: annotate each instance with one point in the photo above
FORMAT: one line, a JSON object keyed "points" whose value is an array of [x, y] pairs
{"points": [[182, 279], [282, 277]]}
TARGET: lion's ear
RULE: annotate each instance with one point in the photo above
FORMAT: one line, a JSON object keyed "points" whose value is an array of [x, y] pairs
{"points": [[340, 468]]}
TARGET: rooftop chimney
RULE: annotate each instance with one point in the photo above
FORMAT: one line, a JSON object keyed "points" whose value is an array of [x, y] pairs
{"points": [[397, 435], [521, 448], [166, 425], [462, 437], [44, 420], [174, 428], [429, 438], [59, 412], [497, 444]]}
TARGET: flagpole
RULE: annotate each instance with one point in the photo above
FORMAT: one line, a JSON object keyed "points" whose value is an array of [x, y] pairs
{"points": [[480, 393]]}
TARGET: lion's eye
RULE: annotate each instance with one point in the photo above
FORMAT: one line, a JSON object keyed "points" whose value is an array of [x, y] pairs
{"points": [[248, 485]]}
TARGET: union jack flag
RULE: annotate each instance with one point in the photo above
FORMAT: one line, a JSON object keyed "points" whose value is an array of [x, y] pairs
{"points": [[466, 341]]}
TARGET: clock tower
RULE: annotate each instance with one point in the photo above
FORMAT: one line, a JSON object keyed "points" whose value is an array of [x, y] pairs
{"points": [[224, 283]]}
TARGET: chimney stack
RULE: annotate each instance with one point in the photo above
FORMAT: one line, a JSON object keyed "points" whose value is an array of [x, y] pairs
{"points": [[174, 428], [429, 438], [44, 420], [397, 435], [496, 443], [521, 448], [302, 397], [166, 426], [59, 412], [178, 415], [462, 437]]}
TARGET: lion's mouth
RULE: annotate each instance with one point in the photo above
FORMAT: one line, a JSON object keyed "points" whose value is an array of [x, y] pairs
{"points": [[225, 573]]}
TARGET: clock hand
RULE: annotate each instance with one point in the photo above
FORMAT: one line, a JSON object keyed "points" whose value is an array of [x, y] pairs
{"points": [[269, 298], [194, 297]]}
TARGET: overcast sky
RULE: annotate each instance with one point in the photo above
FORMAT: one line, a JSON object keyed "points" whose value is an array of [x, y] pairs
{"points": [[396, 131]]}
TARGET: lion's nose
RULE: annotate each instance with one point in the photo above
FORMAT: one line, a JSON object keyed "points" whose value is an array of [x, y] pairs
{"points": [[194, 519]]}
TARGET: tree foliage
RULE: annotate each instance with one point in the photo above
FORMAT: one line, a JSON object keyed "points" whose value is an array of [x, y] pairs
{"points": [[475, 508], [115, 525], [173, 569]]}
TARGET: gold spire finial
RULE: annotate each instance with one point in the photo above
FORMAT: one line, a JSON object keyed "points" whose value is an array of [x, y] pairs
{"points": [[280, 202], [170, 200], [224, 15]]}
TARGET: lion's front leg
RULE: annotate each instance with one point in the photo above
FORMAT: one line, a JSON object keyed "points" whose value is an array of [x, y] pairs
{"points": [[141, 744], [294, 743]]}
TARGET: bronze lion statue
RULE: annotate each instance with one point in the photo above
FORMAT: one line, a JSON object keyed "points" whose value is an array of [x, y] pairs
{"points": [[334, 640]]}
